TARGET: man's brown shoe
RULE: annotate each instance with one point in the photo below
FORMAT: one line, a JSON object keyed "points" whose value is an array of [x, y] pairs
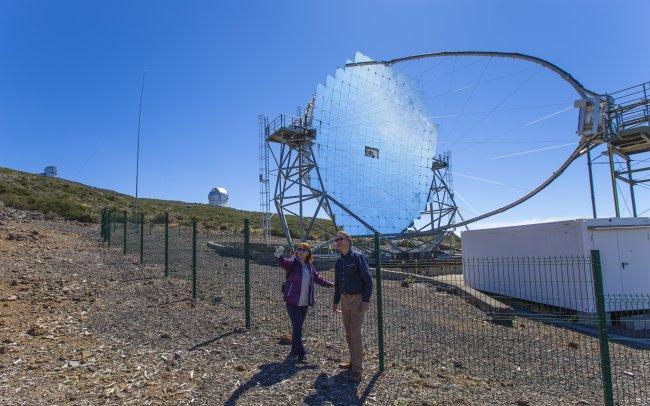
{"points": [[355, 377], [345, 365]]}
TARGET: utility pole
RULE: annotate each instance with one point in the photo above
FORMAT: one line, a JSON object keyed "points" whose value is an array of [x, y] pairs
{"points": [[137, 157]]}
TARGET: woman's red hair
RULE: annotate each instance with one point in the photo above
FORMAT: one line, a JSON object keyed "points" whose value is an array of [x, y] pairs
{"points": [[307, 247]]}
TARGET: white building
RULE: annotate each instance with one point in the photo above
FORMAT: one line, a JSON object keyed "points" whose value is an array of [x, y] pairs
{"points": [[550, 263]]}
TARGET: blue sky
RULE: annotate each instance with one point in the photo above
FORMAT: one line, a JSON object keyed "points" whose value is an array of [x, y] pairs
{"points": [[70, 77]]}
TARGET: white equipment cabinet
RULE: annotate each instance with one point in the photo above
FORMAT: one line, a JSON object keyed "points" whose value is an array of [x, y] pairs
{"points": [[540, 268]]}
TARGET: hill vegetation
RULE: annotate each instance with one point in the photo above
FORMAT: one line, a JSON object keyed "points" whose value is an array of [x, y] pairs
{"points": [[79, 202]]}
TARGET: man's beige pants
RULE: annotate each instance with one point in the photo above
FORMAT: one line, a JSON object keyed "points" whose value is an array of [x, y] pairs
{"points": [[352, 321]]}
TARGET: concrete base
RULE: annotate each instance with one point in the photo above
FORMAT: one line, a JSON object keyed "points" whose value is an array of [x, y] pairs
{"points": [[637, 322], [260, 253], [498, 312], [591, 319]]}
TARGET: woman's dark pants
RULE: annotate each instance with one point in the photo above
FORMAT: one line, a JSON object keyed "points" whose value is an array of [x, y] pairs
{"points": [[297, 316]]}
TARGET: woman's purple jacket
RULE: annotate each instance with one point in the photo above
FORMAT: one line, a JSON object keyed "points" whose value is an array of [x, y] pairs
{"points": [[294, 280]]}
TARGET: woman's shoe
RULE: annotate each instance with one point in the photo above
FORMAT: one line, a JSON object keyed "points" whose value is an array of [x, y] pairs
{"points": [[345, 365], [355, 377]]}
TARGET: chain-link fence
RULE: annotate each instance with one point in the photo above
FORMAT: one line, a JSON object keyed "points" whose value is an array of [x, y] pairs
{"points": [[540, 326]]}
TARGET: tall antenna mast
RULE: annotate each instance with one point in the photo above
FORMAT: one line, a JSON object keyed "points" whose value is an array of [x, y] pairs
{"points": [[137, 158]]}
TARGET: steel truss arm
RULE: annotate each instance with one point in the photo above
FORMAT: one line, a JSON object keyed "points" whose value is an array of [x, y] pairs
{"points": [[582, 148], [582, 91]]}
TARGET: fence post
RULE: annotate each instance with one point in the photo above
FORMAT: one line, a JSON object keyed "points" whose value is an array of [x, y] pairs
{"points": [[108, 229], [141, 237], [605, 361], [166, 244], [193, 259], [103, 225], [124, 231], [380, 304], [247, 276]]}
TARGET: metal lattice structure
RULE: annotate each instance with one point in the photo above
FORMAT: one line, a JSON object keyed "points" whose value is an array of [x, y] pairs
{"points": [[294, 193], [265, 181], [628, 124], [441, 209], [621, 122]]}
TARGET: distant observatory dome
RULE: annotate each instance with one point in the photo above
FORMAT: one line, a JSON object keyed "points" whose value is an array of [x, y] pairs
{"points": [[50, 171], [218, 196]]}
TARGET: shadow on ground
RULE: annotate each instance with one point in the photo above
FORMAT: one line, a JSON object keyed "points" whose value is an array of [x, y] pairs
{"points": [[338, 390], [214, 340], [335, 389], [269, 375]]}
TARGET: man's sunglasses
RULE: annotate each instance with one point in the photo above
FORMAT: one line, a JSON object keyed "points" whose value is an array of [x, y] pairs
{"points": [[337, 239]]}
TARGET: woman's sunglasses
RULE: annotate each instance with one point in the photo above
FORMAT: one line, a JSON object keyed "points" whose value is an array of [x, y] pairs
{"points": [[337, 239]]}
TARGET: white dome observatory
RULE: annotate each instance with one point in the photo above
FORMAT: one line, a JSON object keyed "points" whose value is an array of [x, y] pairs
{"points": [[218, 196], [50, 171]]}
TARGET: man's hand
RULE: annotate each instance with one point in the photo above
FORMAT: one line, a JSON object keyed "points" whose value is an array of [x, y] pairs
{"points": [[278, 252], [334, 306], [364, 307]]}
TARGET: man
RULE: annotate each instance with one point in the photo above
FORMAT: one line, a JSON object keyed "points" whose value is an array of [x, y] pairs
{"points": [[352, 289]]}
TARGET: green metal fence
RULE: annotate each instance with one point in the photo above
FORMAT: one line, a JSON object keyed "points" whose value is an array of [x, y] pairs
{"points": [[540, 326]]}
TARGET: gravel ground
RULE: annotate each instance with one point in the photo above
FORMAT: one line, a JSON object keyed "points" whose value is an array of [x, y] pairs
{"points": [[82, 324]]}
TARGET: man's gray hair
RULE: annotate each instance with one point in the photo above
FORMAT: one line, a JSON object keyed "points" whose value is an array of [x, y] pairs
{"points": [[346, 235]]}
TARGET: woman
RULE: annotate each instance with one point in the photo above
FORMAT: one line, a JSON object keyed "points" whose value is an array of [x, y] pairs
{"points": [[298, 292]]}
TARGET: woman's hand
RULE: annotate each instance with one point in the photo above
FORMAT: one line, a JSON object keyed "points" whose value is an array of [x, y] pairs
{"points": [[278, 252]]}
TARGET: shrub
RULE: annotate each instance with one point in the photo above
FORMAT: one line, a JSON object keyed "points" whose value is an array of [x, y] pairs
{"points": [[407, 281]]}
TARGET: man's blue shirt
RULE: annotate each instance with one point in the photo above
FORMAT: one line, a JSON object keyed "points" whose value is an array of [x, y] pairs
{"points": [[352, 276]]}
